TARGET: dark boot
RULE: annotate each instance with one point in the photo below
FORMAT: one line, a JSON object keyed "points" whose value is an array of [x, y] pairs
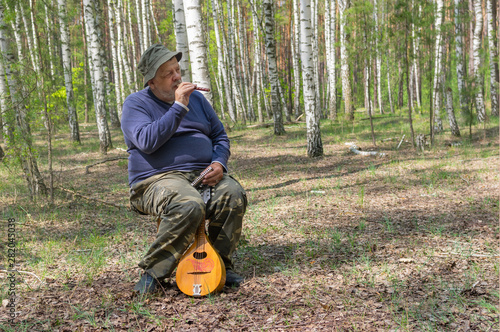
{"points": [[233, 279], [147, 284]]}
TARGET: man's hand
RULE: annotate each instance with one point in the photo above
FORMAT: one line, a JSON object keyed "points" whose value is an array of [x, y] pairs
{"points": [[214, 177], [183, 91]]}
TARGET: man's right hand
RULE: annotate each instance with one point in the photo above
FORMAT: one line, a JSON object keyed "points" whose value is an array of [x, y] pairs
{"points": [[183, 92]]}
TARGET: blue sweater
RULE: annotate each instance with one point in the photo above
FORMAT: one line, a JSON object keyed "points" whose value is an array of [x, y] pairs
{"points": [[162, 137]]}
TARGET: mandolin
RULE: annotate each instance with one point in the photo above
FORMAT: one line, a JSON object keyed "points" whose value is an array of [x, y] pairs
{"points": [[201, 271]]}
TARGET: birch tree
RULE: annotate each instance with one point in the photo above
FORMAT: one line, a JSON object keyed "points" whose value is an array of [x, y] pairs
{"points": [[476, 44], [33, 55], [296, 58], [460, 62], [124, 65], [415, 67], [315, 51], [230, 43], [49, 39], [140, 26], [314, 144], [197, 46], [438, 123], [378, 59], [243, 63], [117, 69], [279, 129], [17, 28], [6, 126], [181, 38], [144, 16], [258, 65], [68, 78], [344, 68], [96, 74], [495, 101], [455, 131], [129, 39], [222, 60], [330, 28]]}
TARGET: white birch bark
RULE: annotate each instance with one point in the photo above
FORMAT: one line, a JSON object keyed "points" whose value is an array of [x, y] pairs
{"points": [[415, 67], [279, 129], [222, 68], [478, 91], [129, 42], [243, 59], [296, 57], [330, 55], [368, 102], [344, 65], [378, 59], [115, 37], [29, 39], [455, 131], [389, 91], [123, 61], [110, 103], [460, 62], [181, 38], [4, 91], [219, 80], [231, 61], [49, 41], [495, 101], [96, 74], [314, 144], [411, 82], [146, 34], [68, 78], [114, 56], [236, 77], [438, 122], [17, 28], [332, 70], [315, 49], [140, 27], [5, 125], [258, 65], [197, 46], [153, 19]]}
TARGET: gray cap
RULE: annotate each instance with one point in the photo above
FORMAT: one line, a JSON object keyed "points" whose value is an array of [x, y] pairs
{"points": [[153, 58]]}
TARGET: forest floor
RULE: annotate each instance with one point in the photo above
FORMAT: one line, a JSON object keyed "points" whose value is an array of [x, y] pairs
{"points": [[402, 242]]}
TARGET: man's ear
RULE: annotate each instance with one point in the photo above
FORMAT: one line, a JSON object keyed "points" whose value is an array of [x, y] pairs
{"points": [[150, 83]]}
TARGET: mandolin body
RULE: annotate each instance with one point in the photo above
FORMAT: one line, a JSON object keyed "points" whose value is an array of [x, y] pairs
{"points": [[200, 271]]}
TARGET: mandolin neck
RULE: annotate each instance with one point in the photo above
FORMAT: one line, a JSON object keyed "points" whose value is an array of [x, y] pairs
{"points": [[200, 233]]}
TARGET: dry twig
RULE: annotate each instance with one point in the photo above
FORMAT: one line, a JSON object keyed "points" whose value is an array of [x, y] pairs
{"points": [[121, 206], [102, 162]]}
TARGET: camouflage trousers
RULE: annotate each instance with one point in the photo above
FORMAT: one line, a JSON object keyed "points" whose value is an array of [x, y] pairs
{"points": [[180, 207]]}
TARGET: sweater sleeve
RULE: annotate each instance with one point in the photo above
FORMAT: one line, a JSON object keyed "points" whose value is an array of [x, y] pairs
{"points": [[143, 130]]}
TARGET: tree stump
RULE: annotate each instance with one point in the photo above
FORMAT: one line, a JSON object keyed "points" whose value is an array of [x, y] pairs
{"points": [[420, 142]]}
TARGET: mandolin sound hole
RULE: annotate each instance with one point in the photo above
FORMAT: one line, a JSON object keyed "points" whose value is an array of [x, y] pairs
{"points": [[200, 255]]}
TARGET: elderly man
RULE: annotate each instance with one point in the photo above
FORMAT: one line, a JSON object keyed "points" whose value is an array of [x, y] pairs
{"points": [[172, 134]]}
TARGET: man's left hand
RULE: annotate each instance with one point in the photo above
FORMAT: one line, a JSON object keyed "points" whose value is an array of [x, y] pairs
{"points": [[214, 177]]}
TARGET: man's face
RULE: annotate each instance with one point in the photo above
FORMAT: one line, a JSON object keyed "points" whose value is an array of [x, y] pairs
{"points": [[167, 79]]}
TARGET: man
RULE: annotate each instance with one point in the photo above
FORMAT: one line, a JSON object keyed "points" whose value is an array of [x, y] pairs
{"points": [[172, 134]]}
